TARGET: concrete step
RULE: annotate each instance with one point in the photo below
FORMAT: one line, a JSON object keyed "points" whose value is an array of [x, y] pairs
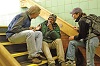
{"points": [[14, 47], [43, 63]]}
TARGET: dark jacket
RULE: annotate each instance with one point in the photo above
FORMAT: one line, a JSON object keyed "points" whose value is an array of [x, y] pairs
{"points": [[55, 33], [83, 29], [19, 23]]}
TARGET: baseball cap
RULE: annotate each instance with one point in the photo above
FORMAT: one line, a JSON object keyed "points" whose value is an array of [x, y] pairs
{"points": [[76, 10]]}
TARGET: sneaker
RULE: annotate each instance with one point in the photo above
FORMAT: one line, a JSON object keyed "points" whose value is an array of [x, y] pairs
{"points": [[52, 64], [70, 63]]}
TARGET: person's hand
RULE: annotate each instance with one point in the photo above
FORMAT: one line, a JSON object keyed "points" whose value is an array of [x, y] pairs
{"points": [[50, 26], [71, 38], [34, 29], [31, 28], [76, 28], [38, 27]]}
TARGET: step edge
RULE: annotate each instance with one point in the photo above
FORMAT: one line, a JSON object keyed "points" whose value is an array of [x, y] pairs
{"points": [[43, 62], [19, 54], [9, 43], [3, 34]]}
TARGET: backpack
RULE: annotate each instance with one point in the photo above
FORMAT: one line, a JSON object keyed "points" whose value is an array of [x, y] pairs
{"points": [[94, 24]]}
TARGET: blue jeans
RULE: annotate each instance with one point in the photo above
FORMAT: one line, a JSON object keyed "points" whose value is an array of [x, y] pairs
{"points": [[33, 40], [73, 45]]}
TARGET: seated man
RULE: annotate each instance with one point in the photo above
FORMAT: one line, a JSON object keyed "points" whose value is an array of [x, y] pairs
{"points": [[83, 39], [51, 39], [19, 31]]}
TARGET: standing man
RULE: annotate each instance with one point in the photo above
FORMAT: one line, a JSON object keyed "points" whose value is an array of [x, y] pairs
{"points": [[52, 39], [19, 31], [82, 39]]}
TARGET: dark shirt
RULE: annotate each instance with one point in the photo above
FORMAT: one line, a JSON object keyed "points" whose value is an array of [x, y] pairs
{"points": [[83, 28]]}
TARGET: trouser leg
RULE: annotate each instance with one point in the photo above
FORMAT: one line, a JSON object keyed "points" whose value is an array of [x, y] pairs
{"points": [[46, 50], [72, 47], [60, 51], [29, 37], [90, 50], [38, 39]]}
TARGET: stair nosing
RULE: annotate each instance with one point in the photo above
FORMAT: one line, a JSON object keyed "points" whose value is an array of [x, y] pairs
{"points": [[2, 33], [24, 53], [3, 26], [9, 43], [43, 62], [19, 54]]}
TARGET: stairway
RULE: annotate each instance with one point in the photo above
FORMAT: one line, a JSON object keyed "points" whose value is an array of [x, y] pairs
{"points": [[62, 24], [14, 54]]}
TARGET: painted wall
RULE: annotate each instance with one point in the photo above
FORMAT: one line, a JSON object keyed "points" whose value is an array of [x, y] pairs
{"points": [[61, 8], [8, 9]]}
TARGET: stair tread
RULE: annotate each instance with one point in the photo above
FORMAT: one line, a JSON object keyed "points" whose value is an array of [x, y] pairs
{"points": [[24, 53], [3, 26], [2, 33], [9, 43], [31, 64], [43, 62], [19, 54]]}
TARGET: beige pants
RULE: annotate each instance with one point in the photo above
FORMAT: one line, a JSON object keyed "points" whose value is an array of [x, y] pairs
{"points": [[59, 47]]}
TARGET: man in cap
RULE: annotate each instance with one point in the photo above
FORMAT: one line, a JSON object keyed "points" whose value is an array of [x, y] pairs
{"points": [[81, 39], [19, 31], [51, 40]]}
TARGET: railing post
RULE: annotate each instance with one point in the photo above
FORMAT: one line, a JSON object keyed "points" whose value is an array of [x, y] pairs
{"points": [[6, 59]]}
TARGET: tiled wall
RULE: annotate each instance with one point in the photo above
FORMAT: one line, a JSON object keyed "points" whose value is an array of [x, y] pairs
{"points": [[61, 8]]}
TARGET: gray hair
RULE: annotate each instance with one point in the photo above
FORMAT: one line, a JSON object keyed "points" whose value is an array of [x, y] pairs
{"points": [[33, 9]]}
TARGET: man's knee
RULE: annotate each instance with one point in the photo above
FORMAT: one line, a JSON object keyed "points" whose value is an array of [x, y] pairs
{"points": [[39, 32], [72, 42], [58, 40], [30, 32], [44, 43]]}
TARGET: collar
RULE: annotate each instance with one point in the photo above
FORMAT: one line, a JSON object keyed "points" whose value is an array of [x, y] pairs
{"points": [[78, 18], [28, 16]]}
